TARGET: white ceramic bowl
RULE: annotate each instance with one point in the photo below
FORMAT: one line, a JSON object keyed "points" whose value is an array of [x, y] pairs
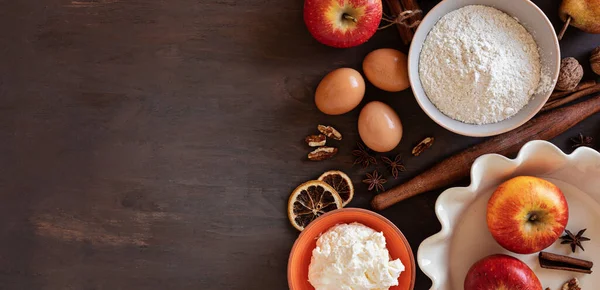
{"points": [[532, 18], [464, 239]]}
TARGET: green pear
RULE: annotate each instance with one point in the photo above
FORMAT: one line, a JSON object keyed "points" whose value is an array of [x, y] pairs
{"points": [[583, 14]]}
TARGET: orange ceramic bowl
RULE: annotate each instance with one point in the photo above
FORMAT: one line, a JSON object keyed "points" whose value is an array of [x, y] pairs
{"points": [[396, 243]]}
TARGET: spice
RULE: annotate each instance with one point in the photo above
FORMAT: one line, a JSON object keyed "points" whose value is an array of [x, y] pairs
{"points": [[322, 153], [413, 8], [394, 165], [362, 156], [581, 86], [566, 263], [375, 181], [574, 96], [426, 143], [330, 132], [582, 141], [595, 60], [570, 74], [408, 17], [572, 284], [316, 140], [403, 19], [574, 240]]}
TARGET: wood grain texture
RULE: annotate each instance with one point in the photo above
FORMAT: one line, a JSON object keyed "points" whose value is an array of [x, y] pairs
{"points": [[149, 144]]}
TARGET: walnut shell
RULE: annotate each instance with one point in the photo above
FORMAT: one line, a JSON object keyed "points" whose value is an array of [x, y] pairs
{"points": [[595, 60], [571, 73]]}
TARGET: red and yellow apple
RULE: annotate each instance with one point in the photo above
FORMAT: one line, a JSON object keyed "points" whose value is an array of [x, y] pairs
{"points": [[501, 272], [527, 214], [342, 23]]}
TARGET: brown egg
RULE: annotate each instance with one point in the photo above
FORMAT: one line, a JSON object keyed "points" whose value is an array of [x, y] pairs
{"points": [[379, 127], [387, 69], [340, 91]]}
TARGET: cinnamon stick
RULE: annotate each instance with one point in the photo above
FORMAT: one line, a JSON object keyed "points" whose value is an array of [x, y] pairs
{"points": [[412, 6], [544, 127], [579, 87], [560, 262], [406, 34], [576, 95]]}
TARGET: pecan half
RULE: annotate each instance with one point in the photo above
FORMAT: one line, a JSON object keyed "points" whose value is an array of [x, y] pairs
{"points": [[322, 153], [426, 143], [316, 140], [330, 132], [572, 284]]}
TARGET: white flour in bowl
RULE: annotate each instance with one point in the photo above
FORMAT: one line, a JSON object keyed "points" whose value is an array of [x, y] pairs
{"points": [[478, 65]]}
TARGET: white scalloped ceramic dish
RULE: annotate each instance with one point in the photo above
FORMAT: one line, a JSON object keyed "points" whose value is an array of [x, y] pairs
{"points": [[464, 239]]}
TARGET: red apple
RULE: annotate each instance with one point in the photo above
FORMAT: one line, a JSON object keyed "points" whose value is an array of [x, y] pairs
{"points": [[342, 23], [527, 214], [501, 272]]}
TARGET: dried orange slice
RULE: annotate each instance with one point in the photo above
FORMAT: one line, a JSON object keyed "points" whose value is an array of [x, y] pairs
{"points": [[341, 183], [309, 201]]}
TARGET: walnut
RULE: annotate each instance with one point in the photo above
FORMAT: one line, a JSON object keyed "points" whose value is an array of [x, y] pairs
{"points": [[572, 284], [571, 73], [595, 60]]}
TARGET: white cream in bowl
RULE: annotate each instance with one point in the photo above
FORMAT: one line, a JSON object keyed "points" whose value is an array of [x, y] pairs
{"points": [[353, 257]]}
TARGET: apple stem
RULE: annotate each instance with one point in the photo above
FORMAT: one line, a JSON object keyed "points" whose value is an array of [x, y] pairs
{"points": [[564, 28], [349, 17]]}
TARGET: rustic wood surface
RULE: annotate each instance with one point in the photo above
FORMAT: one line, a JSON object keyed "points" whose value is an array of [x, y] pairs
{"points": [[149, 144]]}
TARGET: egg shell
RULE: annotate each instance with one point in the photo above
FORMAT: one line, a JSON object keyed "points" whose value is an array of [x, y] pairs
{"points": [[379, 127], [340, 91], [387, 69]]}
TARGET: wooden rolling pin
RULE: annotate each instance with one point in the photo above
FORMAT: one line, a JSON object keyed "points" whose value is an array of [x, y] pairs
{"points": [[451, 170]]}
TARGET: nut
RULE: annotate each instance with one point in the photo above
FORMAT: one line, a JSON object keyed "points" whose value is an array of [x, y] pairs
{"points": [[322, 153], [426, 143], [595, 60], [330, 132], [571, 73], [316, 140], [572, 284]]}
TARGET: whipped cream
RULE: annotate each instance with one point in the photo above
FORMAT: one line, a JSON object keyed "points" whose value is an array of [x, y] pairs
{"points": [[352, 257]]}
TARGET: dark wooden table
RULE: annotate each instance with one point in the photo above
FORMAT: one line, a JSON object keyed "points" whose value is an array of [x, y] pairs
{"points": [[150, 144]]}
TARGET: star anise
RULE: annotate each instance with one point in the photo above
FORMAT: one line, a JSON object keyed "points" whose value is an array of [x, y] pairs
{"points": [[394, 165], [582, 141], [375, 180], [362, 156], [574, 240]]}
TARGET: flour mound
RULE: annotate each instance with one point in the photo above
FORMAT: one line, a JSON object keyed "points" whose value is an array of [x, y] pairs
{"points": [[478, 65]]}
